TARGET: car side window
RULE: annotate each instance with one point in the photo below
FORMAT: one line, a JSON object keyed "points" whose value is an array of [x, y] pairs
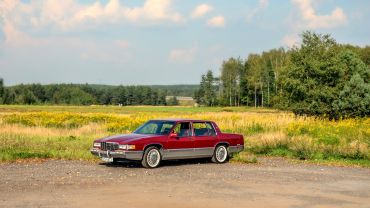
{"points": [[200, 129], [211, 130], [166, 128], [183, 129]]}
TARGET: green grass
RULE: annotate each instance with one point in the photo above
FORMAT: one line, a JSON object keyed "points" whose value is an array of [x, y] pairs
{"points": [[244, 157], [125, 109], [15, 147], [342, 162]]}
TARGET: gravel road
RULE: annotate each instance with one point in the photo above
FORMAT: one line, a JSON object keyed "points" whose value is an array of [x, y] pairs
{"points": [[272, 182]]}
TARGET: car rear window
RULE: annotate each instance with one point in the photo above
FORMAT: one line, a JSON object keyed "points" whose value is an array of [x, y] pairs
{"points": [[211, 130], [203, 129]]}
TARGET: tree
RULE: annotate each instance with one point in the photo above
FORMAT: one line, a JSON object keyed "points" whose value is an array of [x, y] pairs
{"points": [[244, 85], [254, 77], [354, 99], [9, 96], [2, 91], [76, 94], [230, 81], [209, 90], [317, 75], [354, 95], [161, 100], [173, 101], [121, 95], [199, 94], [206, 94], [39, 91]]}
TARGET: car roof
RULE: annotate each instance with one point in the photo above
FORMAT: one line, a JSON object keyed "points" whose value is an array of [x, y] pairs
{"points": [[180, 120]]}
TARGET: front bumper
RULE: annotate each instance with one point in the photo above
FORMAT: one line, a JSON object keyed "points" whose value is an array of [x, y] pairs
{"points": [[123, 154]]}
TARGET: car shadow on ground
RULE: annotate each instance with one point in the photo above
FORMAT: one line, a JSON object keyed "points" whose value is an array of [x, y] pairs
{"points": [[166, 163]]}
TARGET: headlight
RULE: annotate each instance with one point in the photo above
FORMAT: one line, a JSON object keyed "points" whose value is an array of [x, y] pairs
{"points": [[97, 144], [122, 146], [126, 146]]}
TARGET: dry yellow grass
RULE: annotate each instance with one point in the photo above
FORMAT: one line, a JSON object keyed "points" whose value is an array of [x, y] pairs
{"points": [[87, 130]]}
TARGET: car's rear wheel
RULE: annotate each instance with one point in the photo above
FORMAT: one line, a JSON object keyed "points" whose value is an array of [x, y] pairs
{"points": [[152, 157], [220, 154]]}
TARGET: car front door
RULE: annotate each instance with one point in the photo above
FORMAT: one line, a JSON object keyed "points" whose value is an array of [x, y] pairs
{"points": [[181, 145], [205, 139]]}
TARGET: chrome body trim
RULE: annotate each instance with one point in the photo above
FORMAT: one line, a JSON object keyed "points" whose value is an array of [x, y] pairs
{"points": [[124, 154], [187, 153], [167, 154], [204, 152], [214, 129]]}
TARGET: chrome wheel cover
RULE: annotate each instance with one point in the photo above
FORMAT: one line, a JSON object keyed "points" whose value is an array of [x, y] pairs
{"points": [[153, 158], [221, 153]]}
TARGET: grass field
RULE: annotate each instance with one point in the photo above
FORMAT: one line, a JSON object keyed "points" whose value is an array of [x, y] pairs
{"points": [[67, 132]]}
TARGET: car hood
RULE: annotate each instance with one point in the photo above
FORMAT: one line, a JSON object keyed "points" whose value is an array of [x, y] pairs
{"points": [[124, 138]]}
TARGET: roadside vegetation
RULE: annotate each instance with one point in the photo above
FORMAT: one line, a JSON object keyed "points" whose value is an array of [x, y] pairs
{"points": [[63, 133]]}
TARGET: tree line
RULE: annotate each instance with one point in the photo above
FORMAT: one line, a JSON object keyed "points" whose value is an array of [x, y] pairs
{"points": [[319, 77], [83, 94]]}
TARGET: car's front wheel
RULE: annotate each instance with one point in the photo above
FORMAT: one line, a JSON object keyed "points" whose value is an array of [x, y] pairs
{"points": [[115, 161], [152, 157], [220, 155]]}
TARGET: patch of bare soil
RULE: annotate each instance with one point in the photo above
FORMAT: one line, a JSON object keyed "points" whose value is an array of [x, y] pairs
{"points": [[273, 182]]}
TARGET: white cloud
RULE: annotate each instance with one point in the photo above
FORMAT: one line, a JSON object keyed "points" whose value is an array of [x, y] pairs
{"points": [[217, 21], [15, 38], [182, 55], [308, 19], [201, 10], [7, 5], [156, 10], [312, 20], [262, 4], [68, 14], [18, 42]]}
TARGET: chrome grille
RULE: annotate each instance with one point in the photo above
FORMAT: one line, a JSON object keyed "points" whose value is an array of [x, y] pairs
{"points": [[108, 146]]}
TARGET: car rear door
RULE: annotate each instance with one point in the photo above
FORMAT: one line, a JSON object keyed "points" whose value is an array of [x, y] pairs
{"points": [[205, 139], [181, 146]]}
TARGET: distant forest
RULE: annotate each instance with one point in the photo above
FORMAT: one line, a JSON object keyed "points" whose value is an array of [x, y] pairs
{"points": [[319, 77], [177, 90], [88, 94]]}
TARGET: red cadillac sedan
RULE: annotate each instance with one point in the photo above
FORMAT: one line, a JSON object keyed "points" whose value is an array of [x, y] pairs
{"points": [[169, 139]]}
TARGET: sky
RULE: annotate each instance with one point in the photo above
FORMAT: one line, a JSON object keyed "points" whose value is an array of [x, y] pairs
{"points": [[142, 42]]}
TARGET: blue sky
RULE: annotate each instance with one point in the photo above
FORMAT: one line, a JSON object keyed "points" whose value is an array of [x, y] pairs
{"points": [[158, 41]]}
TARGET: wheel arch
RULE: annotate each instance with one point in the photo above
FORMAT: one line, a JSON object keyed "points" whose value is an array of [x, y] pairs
{"points": [[158, 145], [227, 144]]}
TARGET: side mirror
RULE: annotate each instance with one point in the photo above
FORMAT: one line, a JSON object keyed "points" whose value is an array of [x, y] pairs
{"points": [[173, 135]]}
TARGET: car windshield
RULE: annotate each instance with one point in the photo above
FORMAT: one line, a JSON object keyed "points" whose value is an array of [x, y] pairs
{"points": [[155, 127]]}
